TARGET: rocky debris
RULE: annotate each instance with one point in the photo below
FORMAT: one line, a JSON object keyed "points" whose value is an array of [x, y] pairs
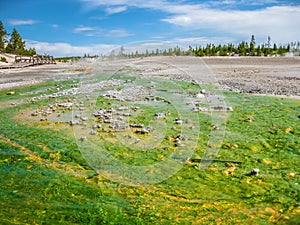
{"points": [[83, 89], [35, 114], [96, 126], [51, 108], [93, 132], [200, 95], [137, 141], [146, 130], [155, 99], [134, 93], [257, 84], [118, 125], [74, 122], [182, 137], [84, 118], [215, 127], [178, 140], [160, 115], [178, 121], [255, 172], [65, 104], [123, 108], [10, 93], [213, 108], [136, 125], [83, 139], [126, 114]]}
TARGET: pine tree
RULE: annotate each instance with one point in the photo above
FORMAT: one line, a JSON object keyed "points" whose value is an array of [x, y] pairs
{"points": [[16, 45], [3, 36], [259, 51], [252, 45]]}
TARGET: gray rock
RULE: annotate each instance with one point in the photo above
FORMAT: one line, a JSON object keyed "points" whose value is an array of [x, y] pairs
{"points": [[255, 172]]}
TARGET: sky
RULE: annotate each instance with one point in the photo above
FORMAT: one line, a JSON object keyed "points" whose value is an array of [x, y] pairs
{"points": [[95, 27]]}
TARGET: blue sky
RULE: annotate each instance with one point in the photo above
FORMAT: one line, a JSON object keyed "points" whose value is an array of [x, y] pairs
{"points": [[76, 27]]}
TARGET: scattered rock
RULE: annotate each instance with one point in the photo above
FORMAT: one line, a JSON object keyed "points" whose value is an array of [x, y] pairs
{"points": [[178, 121], [200, 95], [213, 108], [34, 114], [160, 115], [65, 104], [290, 175], [136, 125], [83, 139], [255, 172], [83, 118], [93, 132], [10, 93], [95, 126], [215, 127], [146, 130], [74, 122]]}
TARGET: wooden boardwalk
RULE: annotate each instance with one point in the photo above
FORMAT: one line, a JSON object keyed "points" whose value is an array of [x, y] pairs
{"points": [[26, 61], [35, 59]]}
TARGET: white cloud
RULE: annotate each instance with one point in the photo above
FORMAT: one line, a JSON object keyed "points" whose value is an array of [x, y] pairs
{"points": [[59, 49], [114, 10], [100, 32], [83, 29], [16, 22], [277, 20]]}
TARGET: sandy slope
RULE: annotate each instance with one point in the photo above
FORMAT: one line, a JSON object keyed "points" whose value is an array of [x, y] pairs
{"points": [[10, 58]]}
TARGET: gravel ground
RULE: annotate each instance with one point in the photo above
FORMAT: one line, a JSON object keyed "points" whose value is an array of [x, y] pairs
{"points": [[276, 75]]}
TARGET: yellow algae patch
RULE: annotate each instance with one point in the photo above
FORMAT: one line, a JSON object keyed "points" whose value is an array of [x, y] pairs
{"points": [[80, 69]]}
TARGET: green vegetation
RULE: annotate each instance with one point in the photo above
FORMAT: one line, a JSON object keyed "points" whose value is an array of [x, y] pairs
{"points": [[15, 45], [3, 59], [243, 48], [44, 178]]}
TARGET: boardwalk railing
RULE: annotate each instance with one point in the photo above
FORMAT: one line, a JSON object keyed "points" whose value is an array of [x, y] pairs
{"points": [[35, 59]]}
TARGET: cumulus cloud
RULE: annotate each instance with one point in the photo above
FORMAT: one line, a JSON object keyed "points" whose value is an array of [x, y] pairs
{"points": [[273, 18], [277, 21], [16, 22], [59, 49]]}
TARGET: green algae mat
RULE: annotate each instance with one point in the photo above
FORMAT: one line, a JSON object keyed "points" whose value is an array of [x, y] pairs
{"points": [[143, 150]]}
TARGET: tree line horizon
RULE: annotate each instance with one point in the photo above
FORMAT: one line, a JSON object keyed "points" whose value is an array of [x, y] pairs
{"points": [[16, 45], [243, 48]]}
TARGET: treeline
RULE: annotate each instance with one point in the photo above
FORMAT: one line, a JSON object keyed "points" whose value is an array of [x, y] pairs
{"points": [[177, 51], [13, 43], [243, 48]]}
